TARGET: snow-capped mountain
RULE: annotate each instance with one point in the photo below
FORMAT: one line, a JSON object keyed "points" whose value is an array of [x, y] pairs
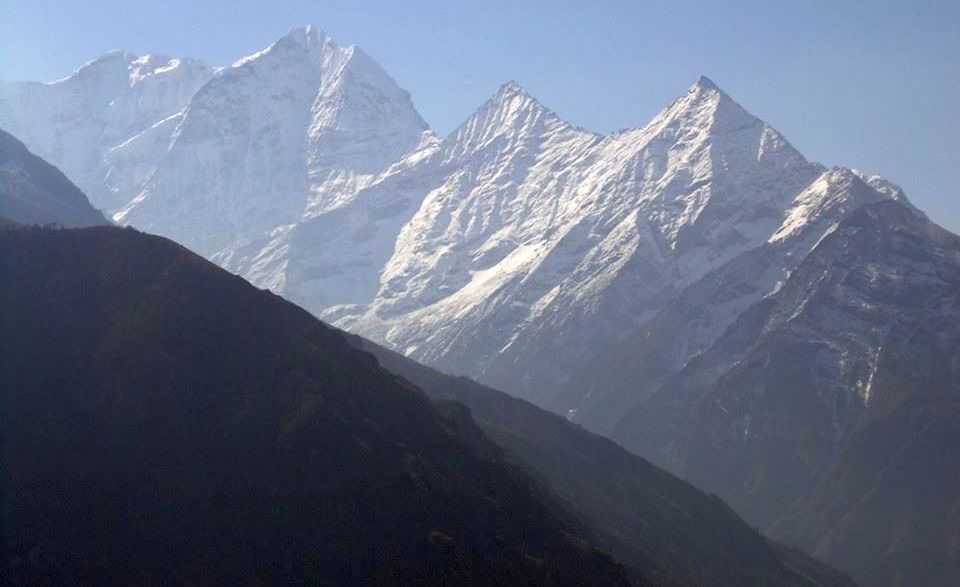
{"points": [[537, 242], [103, 126], [512, 250], [280, 136], [220, 158], [627, 371]]}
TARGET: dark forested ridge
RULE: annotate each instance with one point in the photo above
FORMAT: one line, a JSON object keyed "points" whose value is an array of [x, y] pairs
{"points": [[163, 422]]}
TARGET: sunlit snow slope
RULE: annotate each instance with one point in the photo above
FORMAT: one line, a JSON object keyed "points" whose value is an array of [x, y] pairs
{"points": [[513, 250]]}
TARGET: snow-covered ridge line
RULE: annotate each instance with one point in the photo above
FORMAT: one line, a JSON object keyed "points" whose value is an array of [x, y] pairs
{"points": [[511, 249], [536, 241]]}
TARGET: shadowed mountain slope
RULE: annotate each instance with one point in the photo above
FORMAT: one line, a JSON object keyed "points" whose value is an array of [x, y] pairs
{"points": [[829, 412], [34, 192], [163, 422], [644, 515]]}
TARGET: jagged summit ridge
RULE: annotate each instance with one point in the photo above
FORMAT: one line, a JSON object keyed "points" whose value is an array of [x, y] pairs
{"points": [[705, 83], [511, 274], [308, 40], [310, 35], [536, 240], [510, 114], [512, 92], [511, 87], [511, 96], [117, 59], [135, 110], [507, 250]]}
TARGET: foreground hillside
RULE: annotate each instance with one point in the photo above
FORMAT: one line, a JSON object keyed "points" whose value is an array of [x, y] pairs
{"points": [[163, 422]]}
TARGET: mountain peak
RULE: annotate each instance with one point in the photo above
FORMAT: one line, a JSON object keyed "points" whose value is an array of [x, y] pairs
{"points": [[705, 89], [705, 83], [889, 189], [705, 106], [307, 35], [510, 110], [507, 112], [310, 39], [512, 97], [511, 88]]}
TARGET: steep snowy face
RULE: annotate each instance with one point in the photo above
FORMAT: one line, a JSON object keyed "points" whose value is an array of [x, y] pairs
{"points": [[627, 372], [81, 123], [334, 262], [498, 188], [538, 242], [489, 197], [285, 133], [361, 122], [330, 262], [703, 182], [712, 178], [828, 199]]}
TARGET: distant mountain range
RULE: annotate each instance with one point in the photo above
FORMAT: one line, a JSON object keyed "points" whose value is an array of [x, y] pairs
{"points": [[621, 281], [511, 250]]}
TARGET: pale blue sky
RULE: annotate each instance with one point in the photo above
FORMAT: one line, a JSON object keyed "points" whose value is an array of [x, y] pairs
{"points": [[872, 84]]}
